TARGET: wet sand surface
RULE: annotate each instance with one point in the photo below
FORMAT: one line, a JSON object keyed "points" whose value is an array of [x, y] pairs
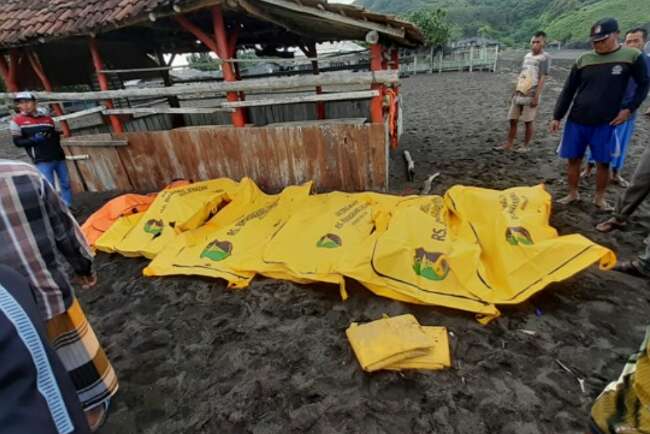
{"points": [[194, 357]]}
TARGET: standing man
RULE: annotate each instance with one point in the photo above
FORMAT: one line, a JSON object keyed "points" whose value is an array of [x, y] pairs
{"points": [[596, 87], [639, 188], [636, 38], [34, 130], [37, 232], [527, 95]]}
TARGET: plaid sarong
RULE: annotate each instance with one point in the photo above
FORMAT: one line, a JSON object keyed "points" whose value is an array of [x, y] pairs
{"points": [[83, 357], [624, 405]]}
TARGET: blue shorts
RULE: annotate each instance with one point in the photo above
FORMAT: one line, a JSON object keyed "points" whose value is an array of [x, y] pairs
{"points": [[577, 138]]}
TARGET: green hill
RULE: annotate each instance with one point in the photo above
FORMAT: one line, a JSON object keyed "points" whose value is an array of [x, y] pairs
{"points": [[512, 21]]}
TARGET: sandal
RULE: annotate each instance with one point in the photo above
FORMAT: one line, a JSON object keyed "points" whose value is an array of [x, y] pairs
{"points": [[610, 225], [605, 206], [632, 268]]}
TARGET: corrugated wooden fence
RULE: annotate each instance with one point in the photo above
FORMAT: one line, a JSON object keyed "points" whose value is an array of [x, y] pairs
{"points": [[336, 156]]}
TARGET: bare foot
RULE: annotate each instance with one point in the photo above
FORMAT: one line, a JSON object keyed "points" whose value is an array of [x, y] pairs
{"points": [[569, 199], [610, 225], [620, 181], [603, 205]]}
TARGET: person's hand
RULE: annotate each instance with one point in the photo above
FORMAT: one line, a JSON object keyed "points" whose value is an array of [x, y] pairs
{"points": [[535, 101], [87, 282], [39, 138], [622, 117], [555, 126]]}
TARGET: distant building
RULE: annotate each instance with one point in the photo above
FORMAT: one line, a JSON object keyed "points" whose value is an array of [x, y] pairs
{"points": [[475, 41]]}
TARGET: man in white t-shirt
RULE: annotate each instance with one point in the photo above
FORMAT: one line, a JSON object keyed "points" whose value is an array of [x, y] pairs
{"points": [[526, 96]]}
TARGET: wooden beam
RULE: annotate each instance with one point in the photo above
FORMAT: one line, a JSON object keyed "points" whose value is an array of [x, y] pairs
{"points": [[94, 143], [331, 16], [116, 123], [342, 96], [261, 84], [166, 110], [80, 113], [197, 32]]}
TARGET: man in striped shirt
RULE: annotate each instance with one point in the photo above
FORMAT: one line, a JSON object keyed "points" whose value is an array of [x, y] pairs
{"points": [[37, 234]]}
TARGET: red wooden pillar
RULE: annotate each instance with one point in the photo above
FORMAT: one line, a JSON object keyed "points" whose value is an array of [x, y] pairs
{"points": [[40, 73], [320, 106], [116, 123], [223, 51], [9, 71], [377, 102]]}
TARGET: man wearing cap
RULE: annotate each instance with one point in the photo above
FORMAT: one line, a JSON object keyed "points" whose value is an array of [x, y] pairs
{"points": [[596, 88], [35, 131]]}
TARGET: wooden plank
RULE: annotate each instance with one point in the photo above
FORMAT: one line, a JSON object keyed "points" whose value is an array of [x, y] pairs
{"points": [[101, 143], [336, 157], [76, 182], [331, 16], [79, 114], [103, 171], [166, 110], [258, 84], [342, 96]]}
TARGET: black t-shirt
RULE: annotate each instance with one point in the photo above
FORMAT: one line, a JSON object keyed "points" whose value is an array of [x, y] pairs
{"points": [[597, 86]]}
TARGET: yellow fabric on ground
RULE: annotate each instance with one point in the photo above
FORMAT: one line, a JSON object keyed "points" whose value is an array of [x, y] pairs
{"points": [[520, 253], [417, 259], [471, 249], [232, 252], [385, 342], [174, 211], [437, 356], [624, 405], [115, 234], [327, 229]]}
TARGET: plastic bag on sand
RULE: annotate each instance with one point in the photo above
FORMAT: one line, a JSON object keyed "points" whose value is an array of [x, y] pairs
{"points": [[398, 343]]}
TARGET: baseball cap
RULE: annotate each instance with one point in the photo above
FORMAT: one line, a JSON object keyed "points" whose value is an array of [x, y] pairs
{"points": [[603, 28], [24, 96]]}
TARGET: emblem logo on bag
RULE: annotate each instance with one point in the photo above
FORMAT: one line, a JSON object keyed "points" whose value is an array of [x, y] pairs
{"points": [[217, 250], [329, 241], [617, 70], [518, 236], [430, 265], [154, 227]]}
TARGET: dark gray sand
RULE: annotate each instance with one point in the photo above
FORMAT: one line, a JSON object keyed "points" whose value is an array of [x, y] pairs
{"points": [[194, 357]]}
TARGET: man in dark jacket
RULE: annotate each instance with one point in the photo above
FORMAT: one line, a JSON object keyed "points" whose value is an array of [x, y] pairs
{"points": [[36, 393], [35, 131], [595, 92]]}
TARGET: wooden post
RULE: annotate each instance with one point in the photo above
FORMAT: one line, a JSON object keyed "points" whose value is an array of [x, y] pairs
{"points": [[310, 51], [172, 100], [415, 63], [496, 58], [37, 66], [471, 59], [377, 102], [224, 48], [116, 123], [8, 71], [432, 58], [442, 56]]}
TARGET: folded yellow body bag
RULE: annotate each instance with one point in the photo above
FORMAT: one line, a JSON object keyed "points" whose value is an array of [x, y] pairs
{"points": [[399, 343]]}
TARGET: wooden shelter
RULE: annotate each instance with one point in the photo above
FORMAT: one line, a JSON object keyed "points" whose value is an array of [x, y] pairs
{"points": [[75, 51]]}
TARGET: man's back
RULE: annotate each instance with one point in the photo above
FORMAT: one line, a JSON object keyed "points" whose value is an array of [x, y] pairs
{"points": [[37, 233]]}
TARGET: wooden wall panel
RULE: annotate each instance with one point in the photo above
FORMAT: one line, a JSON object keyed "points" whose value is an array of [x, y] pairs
{"points": [[103, 170], [337, 156]]}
